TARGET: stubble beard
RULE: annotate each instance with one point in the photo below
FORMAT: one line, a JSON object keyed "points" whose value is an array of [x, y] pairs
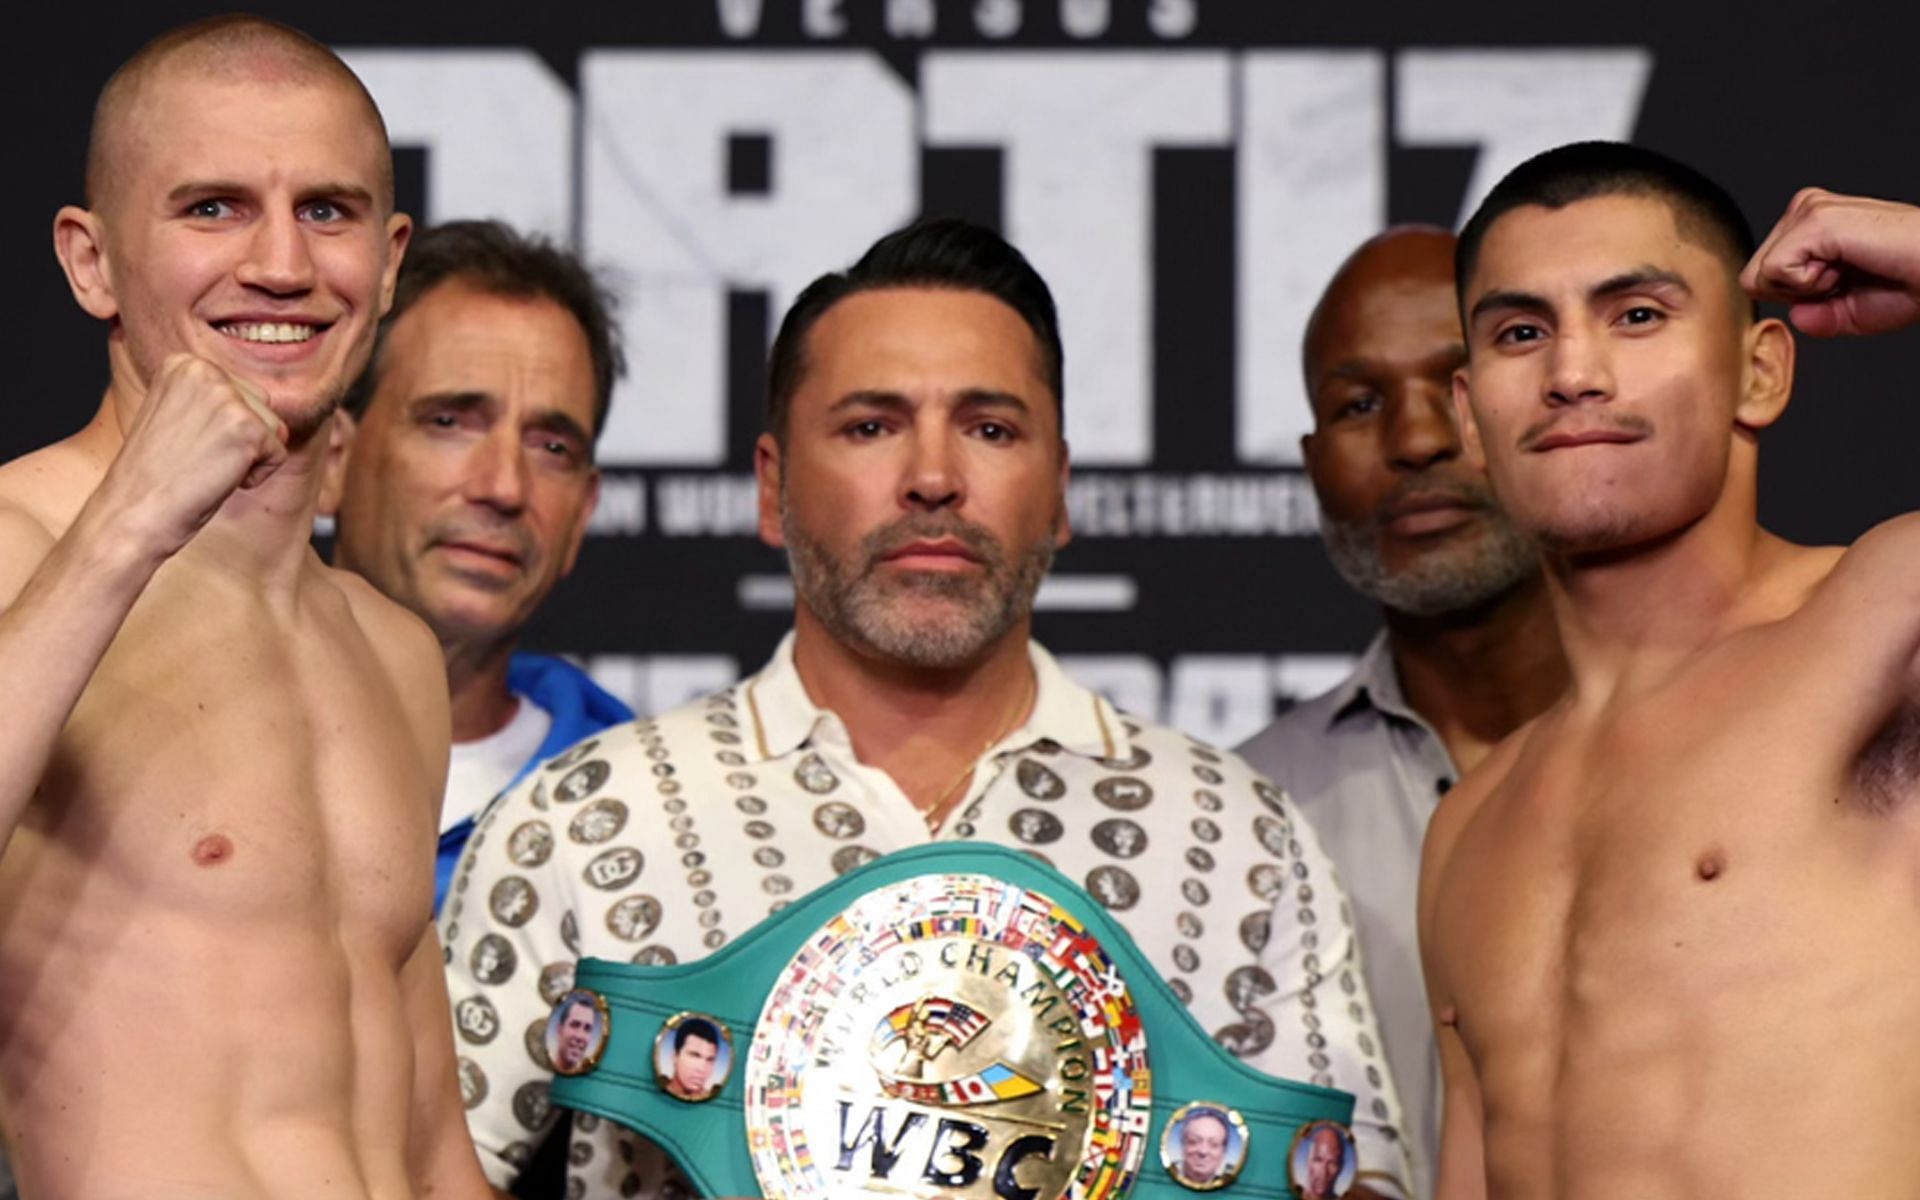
{"points": [[922, 619], [1446, 580]]}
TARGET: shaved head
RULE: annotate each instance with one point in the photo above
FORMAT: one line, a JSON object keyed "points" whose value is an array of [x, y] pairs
{"points": [[231, 48], [1395, 260]]}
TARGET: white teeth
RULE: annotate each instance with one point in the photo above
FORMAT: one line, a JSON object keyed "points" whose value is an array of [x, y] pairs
{"points": [[267, 331]]}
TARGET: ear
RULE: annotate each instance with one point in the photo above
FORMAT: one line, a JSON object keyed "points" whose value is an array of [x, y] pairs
{"points": [[1470, 446], [80, 243], [1063, 531], [333, 471], [399, 233], [1766, 377], [766, 472], [580, 526]]}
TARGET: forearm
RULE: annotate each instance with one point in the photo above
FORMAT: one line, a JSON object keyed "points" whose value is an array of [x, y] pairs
{"points": [[52, 639], [439, 1149]]}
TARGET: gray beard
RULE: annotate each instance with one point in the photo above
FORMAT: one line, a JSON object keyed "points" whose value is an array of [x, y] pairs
{"points": [[860, 608], [1452, 580]]}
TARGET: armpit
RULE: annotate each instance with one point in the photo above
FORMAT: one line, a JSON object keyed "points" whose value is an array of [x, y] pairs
{"points": [[1887, 775]]}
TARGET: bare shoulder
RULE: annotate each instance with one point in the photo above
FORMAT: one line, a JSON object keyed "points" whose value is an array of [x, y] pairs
{"points": [[1886, 556], [39, 494], [1865, 598], [50, 484], [405, 647]]}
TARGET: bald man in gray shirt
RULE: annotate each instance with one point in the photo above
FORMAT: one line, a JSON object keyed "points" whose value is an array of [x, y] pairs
{"points": [[1468, 652]]}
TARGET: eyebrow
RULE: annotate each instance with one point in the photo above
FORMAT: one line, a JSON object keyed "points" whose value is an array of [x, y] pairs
{"points": [[1637, 279], [552, 420], [322, 191], [895, 402]]}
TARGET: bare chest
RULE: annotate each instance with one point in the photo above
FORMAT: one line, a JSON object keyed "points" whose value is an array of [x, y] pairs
{"points": [[223, 754], [1704, 855]]}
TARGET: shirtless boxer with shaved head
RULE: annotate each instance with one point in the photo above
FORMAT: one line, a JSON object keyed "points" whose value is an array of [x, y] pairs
{"points": [[222, 761], [1672, 926]]}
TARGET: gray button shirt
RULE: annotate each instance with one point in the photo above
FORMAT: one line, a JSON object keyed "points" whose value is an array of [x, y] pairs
{"points": [[1367, 771]]}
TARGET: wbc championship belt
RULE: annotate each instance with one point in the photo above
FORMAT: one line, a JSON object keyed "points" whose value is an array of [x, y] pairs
{"points": [[953, 1020]]}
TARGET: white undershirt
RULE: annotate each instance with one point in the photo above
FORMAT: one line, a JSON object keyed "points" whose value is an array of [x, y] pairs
{"points": [[480, 769]]}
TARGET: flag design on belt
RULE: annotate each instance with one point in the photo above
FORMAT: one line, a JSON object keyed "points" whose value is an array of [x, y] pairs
{"points": [[914, 1035]]}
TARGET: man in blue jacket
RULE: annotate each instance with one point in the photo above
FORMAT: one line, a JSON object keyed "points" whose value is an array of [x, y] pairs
{"points": [[462, 480]]}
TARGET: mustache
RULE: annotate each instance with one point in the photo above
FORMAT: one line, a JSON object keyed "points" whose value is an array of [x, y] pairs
{"points": [[927, 527], [1627, 423]]}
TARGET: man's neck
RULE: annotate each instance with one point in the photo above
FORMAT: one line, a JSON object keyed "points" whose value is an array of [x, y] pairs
{"points": [[925, 727], [477, 686], [1477, 676], [1629, 618]]}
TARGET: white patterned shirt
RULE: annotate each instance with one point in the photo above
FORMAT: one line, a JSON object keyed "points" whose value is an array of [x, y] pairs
{"points": [[660, 841]]}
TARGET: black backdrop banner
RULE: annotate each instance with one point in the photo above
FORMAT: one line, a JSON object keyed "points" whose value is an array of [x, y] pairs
{"points": [[1186, 173]]}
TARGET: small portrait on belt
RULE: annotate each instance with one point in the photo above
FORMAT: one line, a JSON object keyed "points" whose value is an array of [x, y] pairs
{"points": [[1204, 1146], [1324, 1161], [692, 1056], [577, 1032]]}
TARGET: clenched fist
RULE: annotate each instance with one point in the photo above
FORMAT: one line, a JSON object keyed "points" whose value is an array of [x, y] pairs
{"points": [[199, 436], [1846, 264]]}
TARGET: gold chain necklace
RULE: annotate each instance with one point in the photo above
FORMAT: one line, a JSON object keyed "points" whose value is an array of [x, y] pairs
{"points": [[941, 807]]}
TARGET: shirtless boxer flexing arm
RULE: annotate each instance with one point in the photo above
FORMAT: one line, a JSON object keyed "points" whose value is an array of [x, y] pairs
{"points": [[221, 763], [1670, 927]]}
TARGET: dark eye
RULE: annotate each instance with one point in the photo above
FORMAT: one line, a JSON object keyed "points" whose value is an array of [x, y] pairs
{"points": [[1356, 406], [994, 431], [866, 429], [1641, 314], [1515, 334]]}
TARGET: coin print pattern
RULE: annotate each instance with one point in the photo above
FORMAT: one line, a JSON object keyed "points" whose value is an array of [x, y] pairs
{"points": [[719, 822]]}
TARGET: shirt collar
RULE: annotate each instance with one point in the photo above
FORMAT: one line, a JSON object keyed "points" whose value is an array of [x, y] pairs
{"points": [[1374, 684], [783, 717]]}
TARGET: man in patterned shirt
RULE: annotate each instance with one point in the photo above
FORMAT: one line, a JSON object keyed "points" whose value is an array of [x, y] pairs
{"points": [[915, 472]]}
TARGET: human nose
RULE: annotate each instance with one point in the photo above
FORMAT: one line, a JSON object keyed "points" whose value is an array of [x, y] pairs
{"points": [[932, 478], [278, 259], [1578, 370], [1420, 429], [497, 473]]}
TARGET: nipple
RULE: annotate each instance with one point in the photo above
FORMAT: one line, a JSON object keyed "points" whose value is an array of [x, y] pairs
{"points": [[1710, 864], [212, 850]]}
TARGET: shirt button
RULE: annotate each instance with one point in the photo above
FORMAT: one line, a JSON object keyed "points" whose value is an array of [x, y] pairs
{"points": [[1442, 786]]}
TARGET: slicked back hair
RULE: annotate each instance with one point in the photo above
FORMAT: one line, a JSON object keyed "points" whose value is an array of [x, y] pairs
{"points": [[225, 45], [1703, 210], [492, 258], [935, 252]]}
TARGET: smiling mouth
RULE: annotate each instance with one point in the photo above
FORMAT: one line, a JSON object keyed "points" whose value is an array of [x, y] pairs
{"points": [[269, 332]]}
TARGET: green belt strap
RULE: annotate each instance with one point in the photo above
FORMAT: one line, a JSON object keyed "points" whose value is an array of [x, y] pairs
{"points": [[710, 1142]]}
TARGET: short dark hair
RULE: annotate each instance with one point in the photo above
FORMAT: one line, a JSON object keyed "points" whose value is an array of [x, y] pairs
{"points": [[696, 1027], [492, 257], [1703, 210], [935, 252]]}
